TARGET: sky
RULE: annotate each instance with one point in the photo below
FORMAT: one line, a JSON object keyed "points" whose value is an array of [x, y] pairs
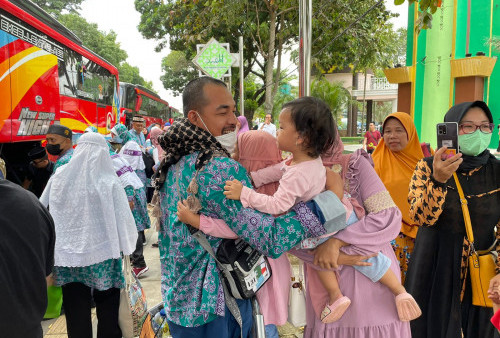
{"points": [[121, 17]]}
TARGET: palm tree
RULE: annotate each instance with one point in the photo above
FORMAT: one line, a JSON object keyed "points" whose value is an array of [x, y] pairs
{"points": [[333, 93]]}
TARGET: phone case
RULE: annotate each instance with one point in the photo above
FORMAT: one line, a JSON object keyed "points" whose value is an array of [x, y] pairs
{"points": [[447, 136]]}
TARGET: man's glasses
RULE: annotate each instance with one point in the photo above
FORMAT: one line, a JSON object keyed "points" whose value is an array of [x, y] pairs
{"points": [[469, 128]]}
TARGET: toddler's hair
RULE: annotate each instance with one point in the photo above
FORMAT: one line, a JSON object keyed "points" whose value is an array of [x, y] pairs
{"points": [[314, 121]]}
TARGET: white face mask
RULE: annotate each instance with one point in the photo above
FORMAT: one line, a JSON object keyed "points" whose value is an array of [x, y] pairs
{"points": [[228, 141]]}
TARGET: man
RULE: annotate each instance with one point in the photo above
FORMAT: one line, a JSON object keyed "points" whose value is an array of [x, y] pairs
{"points": [[267, 126], [372, 137], [196, 167], [39, 171], [138, 124], [59, 144], [27, 247]]}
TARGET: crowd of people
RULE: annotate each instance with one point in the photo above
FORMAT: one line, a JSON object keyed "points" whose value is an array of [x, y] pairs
{"points": [[381, 233]]}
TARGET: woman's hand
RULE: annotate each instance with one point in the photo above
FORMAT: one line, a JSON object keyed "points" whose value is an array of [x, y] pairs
{"points": [[443, 169], [233, 189], [186, 216], [326, 255], [334, 183]]}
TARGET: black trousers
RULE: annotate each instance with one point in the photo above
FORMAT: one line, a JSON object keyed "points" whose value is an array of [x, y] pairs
{"points": [[137, 257], [77, 299]]}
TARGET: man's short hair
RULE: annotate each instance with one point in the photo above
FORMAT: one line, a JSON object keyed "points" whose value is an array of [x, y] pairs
{"points": [[192, 95]]}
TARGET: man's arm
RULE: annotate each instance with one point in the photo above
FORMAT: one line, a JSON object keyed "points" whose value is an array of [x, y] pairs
{"points": [[271, 236]]}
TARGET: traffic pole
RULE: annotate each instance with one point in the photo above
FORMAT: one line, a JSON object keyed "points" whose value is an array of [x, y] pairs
{"points": [[242, 75], [305, 40]]}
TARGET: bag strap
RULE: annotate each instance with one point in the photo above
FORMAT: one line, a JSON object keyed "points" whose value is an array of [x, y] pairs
{"points": [[127, 271], [465, 211], [202, 239]]}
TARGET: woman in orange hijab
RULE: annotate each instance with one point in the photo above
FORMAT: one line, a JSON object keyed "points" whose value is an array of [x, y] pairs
{"points": [[395, 159]]}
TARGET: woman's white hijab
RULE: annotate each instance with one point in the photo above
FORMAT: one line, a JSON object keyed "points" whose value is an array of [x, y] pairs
{"points": [[91, 213]]}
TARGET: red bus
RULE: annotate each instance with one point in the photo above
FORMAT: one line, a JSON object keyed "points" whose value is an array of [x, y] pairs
{"points": [[47, 76], [138, 100]]}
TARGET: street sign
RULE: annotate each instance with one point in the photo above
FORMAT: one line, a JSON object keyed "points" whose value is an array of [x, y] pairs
{"points": [[214, 60]]}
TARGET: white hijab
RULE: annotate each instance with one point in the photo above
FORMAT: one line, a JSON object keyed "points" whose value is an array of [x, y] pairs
{"points": [[132, 153], [91, 213], [125, 172]]}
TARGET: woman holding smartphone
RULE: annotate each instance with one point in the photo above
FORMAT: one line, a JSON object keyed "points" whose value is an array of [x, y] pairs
{"points": [[438, 274]]}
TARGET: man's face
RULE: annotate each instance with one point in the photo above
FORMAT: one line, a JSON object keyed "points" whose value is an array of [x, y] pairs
{"points": [[138, 126], [218, 114], [372, 127], [267, 119], [64, 142]]}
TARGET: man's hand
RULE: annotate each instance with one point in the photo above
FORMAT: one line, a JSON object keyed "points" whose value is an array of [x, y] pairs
{"points": [[233, 189], [334, 183], [443, 168], [186, 216], [326, 255]]}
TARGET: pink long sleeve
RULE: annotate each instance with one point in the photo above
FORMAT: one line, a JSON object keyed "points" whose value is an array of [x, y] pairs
{"points": [[215, 227], [267, 175], [293, 187]]}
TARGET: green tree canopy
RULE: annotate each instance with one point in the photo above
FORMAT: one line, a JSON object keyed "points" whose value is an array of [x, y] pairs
{"points": [[268, 27], [57, 6], [178, 71]]}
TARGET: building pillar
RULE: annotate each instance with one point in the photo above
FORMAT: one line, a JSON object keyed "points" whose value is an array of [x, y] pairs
{"points": [[469, 74], [405, 78]]}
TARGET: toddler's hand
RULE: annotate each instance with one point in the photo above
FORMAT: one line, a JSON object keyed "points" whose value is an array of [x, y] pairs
{"points": [[187, 216], [334, 183], [233, 189]]}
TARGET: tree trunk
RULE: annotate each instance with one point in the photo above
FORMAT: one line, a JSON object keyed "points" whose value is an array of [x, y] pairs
{"points": [[268, 103], [364, 103]]}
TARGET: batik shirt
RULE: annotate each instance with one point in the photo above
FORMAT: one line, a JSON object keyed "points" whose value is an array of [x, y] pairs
{"points": [[62, 160], [139, 138], [190, 281]]}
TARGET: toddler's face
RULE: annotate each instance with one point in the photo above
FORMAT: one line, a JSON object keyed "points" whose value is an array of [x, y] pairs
{"points": [[287, 134]]}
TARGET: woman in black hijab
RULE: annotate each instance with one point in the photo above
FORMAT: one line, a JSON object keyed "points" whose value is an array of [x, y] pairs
{"points": [[438, 276]]}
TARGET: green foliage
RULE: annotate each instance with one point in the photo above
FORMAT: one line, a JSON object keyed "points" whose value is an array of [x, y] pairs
{"points": [[178, 71], [57, 6], [426, 9], [352, 139], [380, 110], [334, 94], [183, 24], [131, 74], [102, 43], [105, 45]]}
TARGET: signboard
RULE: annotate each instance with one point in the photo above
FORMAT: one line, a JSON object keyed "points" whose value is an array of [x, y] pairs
{"points": [[213, 59]]}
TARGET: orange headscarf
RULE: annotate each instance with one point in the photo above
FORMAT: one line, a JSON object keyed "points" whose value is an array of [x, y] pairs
{"points": [[396, 168]]}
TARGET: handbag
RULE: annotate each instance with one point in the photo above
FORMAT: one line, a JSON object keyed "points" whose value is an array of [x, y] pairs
{"points": [[482, 264], [133, 306], [297, 299], [244, 269]]}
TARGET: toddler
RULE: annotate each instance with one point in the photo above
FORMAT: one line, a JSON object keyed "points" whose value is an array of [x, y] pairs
{"points": [[306, 131]]}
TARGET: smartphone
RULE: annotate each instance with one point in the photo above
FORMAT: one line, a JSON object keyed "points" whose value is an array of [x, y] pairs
{"points": [[447, 136]]}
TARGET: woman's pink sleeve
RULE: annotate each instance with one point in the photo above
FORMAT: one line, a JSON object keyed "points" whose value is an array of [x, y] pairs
{"points": [[382, 222], [215, 227], [292, 185], [267, 175], [495, 320]]}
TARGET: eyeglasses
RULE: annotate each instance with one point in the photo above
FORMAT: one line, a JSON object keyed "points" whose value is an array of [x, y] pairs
{"points": [[469, 128]]}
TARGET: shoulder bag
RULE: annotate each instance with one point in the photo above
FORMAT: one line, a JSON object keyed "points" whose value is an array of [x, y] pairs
{"points": [[482, 264]]}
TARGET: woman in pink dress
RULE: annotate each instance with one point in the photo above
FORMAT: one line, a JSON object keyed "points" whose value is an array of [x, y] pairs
{"points": [[372, 313]]}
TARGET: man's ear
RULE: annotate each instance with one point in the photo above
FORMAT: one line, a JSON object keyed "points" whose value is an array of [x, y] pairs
{"points": [[193, 117]]}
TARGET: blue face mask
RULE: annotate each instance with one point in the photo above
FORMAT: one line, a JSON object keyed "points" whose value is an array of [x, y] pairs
{"points": [[116, 139]]}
